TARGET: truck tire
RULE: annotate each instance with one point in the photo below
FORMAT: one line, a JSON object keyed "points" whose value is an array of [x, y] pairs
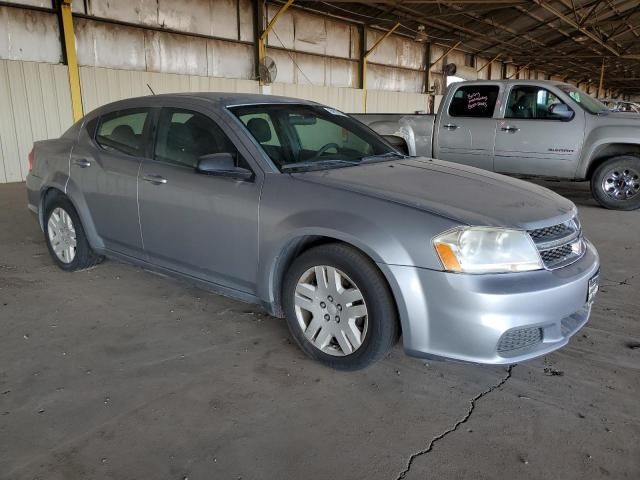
{"points": [[339, 308], [616, 183]]}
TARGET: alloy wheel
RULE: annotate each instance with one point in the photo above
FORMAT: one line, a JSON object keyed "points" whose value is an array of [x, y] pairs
{"points": [[621, 183]]}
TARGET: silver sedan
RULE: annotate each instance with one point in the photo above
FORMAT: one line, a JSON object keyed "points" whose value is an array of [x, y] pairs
{"points": [[299, 208]]}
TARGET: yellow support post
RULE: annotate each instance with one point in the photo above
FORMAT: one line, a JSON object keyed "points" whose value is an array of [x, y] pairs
{"points": [[601, 84], [365, 59], [445, 54], [72, 59], [262, 49], [517, 71], [489, 62]]}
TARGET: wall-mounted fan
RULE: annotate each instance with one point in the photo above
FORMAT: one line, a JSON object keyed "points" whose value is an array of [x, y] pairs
{"points": [[450, 69], [268, 71]]}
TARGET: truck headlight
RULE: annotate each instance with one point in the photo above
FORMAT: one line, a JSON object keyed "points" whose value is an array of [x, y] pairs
{"points": [[487, 250]]}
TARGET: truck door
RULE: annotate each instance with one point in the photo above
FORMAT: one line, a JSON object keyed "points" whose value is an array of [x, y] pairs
{"points": [[466, 129], [532, 140]]}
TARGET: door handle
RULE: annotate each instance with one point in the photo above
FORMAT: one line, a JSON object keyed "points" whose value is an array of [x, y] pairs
{"points": [[509, 129], [155, 179], [450, 126], [82, 162]]}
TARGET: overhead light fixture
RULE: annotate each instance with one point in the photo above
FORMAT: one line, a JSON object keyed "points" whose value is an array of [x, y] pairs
{"points": [[421, 34]]}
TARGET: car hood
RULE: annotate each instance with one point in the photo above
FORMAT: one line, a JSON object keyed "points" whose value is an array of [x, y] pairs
{"points": [[465, 194]]}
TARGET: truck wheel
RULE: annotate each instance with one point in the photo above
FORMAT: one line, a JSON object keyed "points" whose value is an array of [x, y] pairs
{"points": [[339, 308], [65, 237], [616, 183]]}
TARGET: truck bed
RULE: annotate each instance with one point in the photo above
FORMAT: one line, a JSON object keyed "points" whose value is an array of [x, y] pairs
{"points": [[411, 133]]}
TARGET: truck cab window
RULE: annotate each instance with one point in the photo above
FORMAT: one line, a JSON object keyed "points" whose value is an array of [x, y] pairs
{"points": [[477, 101], [532, 102]]}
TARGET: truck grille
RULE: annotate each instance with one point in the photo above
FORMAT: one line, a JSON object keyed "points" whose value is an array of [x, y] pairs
{"points": [[559, 245]]}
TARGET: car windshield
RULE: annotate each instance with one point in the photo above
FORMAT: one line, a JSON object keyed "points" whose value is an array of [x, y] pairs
{"points": [[586, 101], [310, 137]]}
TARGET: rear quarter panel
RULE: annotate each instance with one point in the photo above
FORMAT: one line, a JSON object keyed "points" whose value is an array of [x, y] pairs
{"points": [[51, 169]]}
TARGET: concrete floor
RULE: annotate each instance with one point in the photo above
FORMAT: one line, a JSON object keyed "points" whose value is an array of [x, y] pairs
{"points": [[119, 373]]}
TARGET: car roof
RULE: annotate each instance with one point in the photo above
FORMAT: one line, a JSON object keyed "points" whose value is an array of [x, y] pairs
{"points": [[217, 99]]}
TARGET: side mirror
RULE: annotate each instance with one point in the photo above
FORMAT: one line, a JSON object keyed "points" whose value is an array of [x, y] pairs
{"points": [[222, 165], [562, 112]]}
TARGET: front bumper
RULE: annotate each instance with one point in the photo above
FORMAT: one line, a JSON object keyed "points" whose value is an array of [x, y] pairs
{"points": [[492, 319]]}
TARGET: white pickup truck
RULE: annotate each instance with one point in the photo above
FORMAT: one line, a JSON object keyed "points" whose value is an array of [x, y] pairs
{"points": [[527, 128]]}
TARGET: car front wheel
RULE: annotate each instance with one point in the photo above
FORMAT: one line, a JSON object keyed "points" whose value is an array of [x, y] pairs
{"points": [[616, 183], [339, 307]]}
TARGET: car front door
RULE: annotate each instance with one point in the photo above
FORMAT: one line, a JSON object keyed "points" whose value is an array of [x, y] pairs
{"points": [[104, 167], [205, 226], [466, 129], [532, 140]]}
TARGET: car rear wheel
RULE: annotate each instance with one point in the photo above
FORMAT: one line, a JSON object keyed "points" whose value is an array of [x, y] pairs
{"points": [[65, 237], [616, 183], [339, 308]]}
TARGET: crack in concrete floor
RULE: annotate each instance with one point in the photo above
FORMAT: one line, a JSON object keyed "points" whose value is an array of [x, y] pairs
{"points": [[464, 419]]}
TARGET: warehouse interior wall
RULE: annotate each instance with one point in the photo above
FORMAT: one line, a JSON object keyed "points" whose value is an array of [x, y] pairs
{"points": [[204, 45]]}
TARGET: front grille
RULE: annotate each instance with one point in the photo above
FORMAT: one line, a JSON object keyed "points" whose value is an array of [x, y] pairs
{"points": [[559, 245], [554, 255], [555, 231], [515, 341]]}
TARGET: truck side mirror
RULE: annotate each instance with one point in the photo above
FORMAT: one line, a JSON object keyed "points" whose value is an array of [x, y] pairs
{"points": [[562, 112]]}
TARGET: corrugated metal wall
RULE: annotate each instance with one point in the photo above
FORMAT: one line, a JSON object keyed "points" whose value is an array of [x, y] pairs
{"points": [[35, 105], [104, 85]]}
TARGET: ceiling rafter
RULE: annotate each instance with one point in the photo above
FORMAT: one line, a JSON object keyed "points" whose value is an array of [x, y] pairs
{"points": [[567, 38]]}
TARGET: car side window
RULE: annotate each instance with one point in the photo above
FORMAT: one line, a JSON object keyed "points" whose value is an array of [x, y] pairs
{"points": [[532, 102], [262, 128], [476, 101], [260, 123], [123, 131], [184, 136]]}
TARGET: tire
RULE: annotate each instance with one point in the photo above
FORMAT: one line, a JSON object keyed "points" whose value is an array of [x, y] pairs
{"points": [[63, 212], [365, 338], [616, 183]]}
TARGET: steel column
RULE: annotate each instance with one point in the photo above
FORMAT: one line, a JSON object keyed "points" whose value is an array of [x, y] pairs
{"points": [[72, 59]]}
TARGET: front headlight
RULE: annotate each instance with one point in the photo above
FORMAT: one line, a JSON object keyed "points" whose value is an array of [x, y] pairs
{"points": [[487, 250]]}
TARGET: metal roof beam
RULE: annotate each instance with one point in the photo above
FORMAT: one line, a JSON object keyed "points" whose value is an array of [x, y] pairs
{"points": [[573, 24]]}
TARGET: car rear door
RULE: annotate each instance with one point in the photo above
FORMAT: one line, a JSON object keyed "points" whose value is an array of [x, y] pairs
{"points": [[104, 168], [465, 128], [201, 225], [531, 140]]}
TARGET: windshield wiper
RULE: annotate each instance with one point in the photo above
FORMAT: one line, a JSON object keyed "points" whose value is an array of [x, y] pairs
{"points": [[317, 163], [381, 157]]}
